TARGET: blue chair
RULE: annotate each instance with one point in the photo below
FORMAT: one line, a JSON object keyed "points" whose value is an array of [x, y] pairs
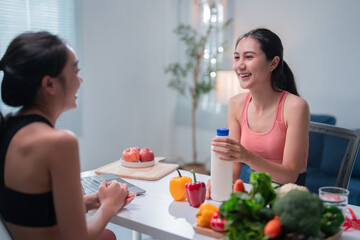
{"points": [[245, 173], [340, 148], [325, 154]]}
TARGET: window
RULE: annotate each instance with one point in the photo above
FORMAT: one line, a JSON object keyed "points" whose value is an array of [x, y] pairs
{"points": [[55, 16], [209, 112]]}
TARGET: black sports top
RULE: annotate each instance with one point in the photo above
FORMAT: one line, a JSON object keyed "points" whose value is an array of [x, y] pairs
{"points": [[25, 209]]}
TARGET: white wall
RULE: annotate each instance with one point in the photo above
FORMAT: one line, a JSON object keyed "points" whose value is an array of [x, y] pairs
{"points": [[322, 46], [126, 44]]}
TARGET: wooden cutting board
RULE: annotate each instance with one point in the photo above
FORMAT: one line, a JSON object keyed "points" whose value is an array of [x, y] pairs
{"points": [[148, 173], [208, 232], [211, 233]]}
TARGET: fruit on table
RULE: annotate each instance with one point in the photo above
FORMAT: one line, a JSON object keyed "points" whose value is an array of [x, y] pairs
{"points": [[195, 192], [131, 155], [137, 149], [217, 223], [239, 186], [204, 214], [177, 186], [146, 155]]}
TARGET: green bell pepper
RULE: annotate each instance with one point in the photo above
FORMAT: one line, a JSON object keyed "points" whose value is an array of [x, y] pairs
{"points": [[331, 220]]}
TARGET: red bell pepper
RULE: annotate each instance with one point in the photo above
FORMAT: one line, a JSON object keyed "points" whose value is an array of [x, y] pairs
{"points": [[195, 192], [218, 224]]}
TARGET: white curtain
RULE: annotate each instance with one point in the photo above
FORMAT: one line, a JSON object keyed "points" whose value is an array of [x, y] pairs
{"points": [[55, 16]]}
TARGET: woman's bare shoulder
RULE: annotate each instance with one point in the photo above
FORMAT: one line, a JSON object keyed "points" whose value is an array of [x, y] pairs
{"points": [[234, 107], [55, 141], [237, 100], [295, 102], [296, 107], [63, 150], [57, 136]]}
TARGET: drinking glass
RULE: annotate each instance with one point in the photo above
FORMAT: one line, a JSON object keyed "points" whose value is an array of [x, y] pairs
{"points": [[335, 196]]}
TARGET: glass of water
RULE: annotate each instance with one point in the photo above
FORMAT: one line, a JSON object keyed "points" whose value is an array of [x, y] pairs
{"points": [[335, 196]]}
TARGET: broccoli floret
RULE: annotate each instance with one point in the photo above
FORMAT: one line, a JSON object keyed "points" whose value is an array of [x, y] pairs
{"points": [[299, 212]]}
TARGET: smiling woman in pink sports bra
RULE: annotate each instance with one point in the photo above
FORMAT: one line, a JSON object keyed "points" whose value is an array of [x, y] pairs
{"points": [[269, 126]]}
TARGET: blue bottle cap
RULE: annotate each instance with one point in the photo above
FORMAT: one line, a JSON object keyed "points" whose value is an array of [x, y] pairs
{"points": [[222, 132]]}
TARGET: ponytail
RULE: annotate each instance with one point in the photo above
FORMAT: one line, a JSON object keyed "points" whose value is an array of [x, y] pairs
{"points": [[283, 78]]}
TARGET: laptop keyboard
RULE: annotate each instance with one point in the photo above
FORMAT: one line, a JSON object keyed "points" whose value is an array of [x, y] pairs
{"points": [[91, 184]]}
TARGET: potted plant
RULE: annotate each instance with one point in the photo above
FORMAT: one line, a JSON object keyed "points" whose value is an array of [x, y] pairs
{"points": [[202, 74]]}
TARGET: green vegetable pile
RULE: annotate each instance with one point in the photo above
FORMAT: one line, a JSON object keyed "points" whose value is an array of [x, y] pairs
{"points": [[299, 212], [302, 214], [246, 214]]}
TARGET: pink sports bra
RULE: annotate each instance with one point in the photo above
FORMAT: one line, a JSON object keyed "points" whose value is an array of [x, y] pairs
{"points": [[270, 144]]}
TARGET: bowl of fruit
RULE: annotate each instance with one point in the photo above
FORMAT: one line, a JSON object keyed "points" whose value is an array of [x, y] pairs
{"points": [[136, 157]]}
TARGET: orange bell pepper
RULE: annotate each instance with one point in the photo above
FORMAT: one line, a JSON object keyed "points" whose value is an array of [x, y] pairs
{"points": [[177, 186], [203, 216]]}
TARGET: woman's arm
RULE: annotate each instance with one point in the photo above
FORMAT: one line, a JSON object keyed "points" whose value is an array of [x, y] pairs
{"points": [[68, 199], [91, 201], [297, 120]]}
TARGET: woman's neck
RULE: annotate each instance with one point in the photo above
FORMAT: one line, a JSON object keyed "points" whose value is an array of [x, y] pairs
{"points": [[262, 100], [49, 115]]}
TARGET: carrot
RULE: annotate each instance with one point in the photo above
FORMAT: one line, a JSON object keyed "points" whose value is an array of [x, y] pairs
{"points": [[239, 186], [273, 228]]}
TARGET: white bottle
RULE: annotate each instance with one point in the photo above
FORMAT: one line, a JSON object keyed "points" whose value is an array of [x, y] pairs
{"points": [[221, 173]]}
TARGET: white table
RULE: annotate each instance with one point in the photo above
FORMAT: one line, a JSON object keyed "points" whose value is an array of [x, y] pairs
{"points": [[155, 213]]}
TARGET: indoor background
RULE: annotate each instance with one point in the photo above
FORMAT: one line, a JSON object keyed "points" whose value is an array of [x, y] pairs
{"points": [[125, 46]]}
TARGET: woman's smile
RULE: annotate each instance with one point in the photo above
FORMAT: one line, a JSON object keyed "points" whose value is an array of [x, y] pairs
{"points": [[245, 76]]}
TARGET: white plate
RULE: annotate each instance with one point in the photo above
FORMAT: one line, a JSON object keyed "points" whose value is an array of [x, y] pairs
{"points": [[137, 164]]}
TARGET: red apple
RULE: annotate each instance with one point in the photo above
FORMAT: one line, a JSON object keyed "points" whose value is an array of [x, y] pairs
{"points": [[131, 155], [137, 149], [146, 155]]}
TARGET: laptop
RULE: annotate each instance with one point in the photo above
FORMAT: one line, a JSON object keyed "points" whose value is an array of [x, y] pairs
{"points": [[91, 184]]}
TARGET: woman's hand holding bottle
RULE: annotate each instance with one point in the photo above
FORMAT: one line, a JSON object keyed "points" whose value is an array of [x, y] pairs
{"points": [[229, 149]]}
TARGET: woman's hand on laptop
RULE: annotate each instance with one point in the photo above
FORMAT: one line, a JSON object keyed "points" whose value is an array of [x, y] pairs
{"points": [[129, 198], [114, 195], [91, 201]]}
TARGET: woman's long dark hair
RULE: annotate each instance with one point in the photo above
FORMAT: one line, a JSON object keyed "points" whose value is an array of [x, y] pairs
{"points": [[30, 57], [282, 77]]}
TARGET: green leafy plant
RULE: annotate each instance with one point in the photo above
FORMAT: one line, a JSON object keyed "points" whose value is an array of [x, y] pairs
{"points": [[247, 213], [194, 67]]}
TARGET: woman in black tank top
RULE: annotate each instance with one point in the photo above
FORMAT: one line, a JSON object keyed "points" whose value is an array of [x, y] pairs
{"points": [[40, 189]]}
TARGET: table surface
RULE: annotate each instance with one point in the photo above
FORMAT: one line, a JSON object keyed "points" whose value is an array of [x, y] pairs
{"points": [[155, 213]]}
